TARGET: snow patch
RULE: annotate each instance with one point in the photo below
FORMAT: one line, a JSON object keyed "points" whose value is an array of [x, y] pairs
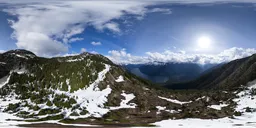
{"points": [[125, 103], [174, 100], [92, 98], [75, 60], [120, 79], [4, 81], [69, 87], [246, 99], [160, 108], [20, 71], [218, 107], [247, 120], [2, 63]]}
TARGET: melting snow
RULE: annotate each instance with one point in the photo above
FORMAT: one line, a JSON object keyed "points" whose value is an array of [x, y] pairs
{"points": [[20, 56], [247, 120], [91, 98], [124, 103], [74, 60], [174, 100], [246, 100], [160, 108], [20, 71], [4, 81], [120, 79], [2, 63], [218, 107]]}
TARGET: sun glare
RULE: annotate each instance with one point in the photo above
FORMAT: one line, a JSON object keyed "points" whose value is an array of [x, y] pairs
{"points": [[204, 42]]}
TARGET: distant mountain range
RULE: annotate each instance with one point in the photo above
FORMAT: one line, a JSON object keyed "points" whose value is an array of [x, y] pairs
{"points": [[163, 73], [228, 76]]}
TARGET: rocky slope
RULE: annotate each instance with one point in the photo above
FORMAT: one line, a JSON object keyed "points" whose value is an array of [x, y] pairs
{"points": [[89, 88], [228, 76]]}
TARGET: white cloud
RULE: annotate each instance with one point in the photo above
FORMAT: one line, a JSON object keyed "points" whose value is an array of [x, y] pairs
{"points": [[47, 28], [83, 50], [95, 43], [2, 51], [122, 57], [75, 39], [94, 52], [163, 10]]}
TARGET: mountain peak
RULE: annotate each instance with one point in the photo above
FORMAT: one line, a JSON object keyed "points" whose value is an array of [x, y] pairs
{"points": [[21, 53]]}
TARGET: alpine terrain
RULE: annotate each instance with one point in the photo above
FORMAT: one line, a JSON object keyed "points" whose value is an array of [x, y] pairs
{"points": [[90, 89]]}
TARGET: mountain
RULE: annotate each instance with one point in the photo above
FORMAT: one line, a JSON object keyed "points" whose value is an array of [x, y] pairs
{"points": [[228, 76], [168, 72], [90, 89], [73, 87]]}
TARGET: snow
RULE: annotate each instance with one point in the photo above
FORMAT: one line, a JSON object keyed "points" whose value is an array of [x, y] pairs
{"points": [[215, 123], [10, 121], [120, 79], [245, 99], [74, 60], [10, 124], [20, 71], [4, 81], [125, 103], [174, 100], [5, 117], [247, 120], [91, 98], [218, 107], [2, 63], [160, 108], [20, 56], [69, 87]]}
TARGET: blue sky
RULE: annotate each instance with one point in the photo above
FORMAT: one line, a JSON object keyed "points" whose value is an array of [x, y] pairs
{"points": [[132, 31]]}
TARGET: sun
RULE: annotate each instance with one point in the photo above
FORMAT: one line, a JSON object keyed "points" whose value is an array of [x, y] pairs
{"points": [[204, 42]]}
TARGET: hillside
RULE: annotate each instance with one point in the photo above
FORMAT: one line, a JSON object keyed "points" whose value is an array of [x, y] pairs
{"points": [[228, 76], [90, 89]]}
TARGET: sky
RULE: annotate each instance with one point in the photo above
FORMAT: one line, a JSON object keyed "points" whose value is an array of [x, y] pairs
{"points": [[198, 31]]}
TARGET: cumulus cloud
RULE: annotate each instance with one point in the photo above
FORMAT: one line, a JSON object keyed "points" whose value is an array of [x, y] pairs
{"points": [[83, 50], [2, 51], [75, 39], [48, 28], [122, 57], [163, 10], [94, 52], [95, 43]]}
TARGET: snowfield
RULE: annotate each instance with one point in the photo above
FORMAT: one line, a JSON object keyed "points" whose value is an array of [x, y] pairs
{"points": [[120, 79], [218, 107], [247, 120], [125, 103], [174, 100], [93, 99], [4, 81]]}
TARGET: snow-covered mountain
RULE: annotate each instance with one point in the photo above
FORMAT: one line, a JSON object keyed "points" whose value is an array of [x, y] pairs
{"points": [[90, 89]]}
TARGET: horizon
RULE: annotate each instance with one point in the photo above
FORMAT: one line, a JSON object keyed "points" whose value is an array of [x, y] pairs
{"points": [[196, 31]]}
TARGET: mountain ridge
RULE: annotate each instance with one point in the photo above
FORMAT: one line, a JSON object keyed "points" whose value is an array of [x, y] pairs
{"points": [[91, 89], [227, 76]]}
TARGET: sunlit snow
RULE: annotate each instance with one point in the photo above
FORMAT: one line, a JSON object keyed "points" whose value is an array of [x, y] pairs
{"points": [[120, 79], [125, 103], [174, 100]]}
